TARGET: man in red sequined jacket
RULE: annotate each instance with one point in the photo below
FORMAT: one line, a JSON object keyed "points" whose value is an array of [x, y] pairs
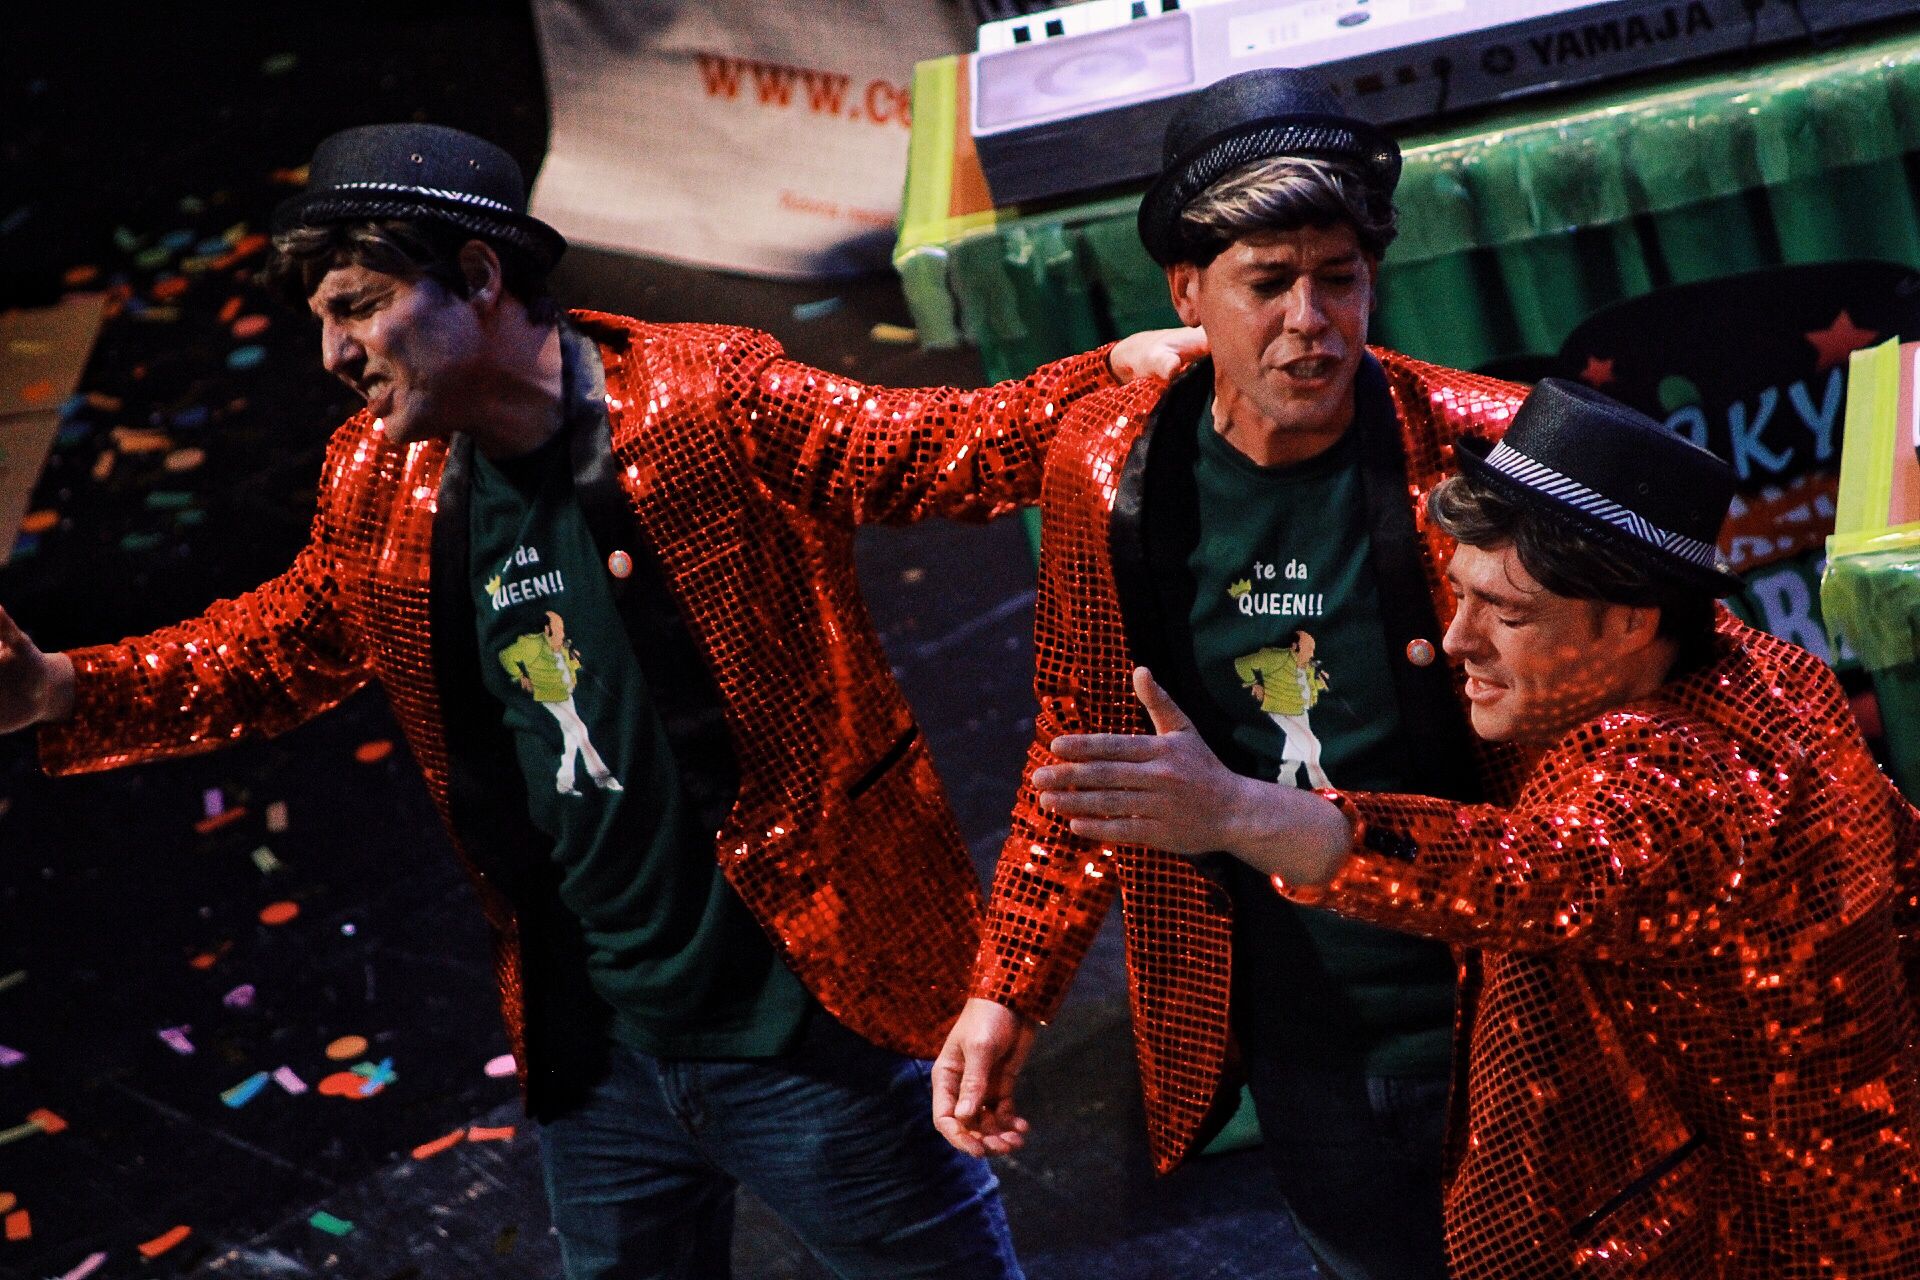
{"points": [[1691, 1053], [1270, 494], [745, 890]]}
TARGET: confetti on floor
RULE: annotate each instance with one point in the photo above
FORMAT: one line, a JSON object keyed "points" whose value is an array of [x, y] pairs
{"points": [[426, 1150], [478, 1133], [92, 1263], [292, 1083], [161, 1243], [175, 1038], [347, 1047], [279, 912], [331, 1225], [246, 1091]]}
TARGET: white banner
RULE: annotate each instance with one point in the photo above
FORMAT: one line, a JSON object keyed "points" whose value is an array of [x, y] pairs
{"points": [[734, 133]]}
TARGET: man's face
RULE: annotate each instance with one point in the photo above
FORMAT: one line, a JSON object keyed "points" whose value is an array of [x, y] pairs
{"points": [[411, 348], [1537, 663], [1303, 648], [1286, 314], [556, 631]]}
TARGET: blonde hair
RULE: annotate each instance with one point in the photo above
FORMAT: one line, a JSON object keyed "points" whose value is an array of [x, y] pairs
{"points": [[1284, 193]]}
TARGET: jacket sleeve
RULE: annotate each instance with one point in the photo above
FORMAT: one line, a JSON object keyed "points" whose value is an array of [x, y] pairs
{"points": [[874, 455], [1052, 888], [261, 663], [1633, 842]]}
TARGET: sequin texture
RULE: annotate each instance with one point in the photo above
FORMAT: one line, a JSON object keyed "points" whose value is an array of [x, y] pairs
{"points": [[1693, 1034], [747, 474], [1052, 888]]}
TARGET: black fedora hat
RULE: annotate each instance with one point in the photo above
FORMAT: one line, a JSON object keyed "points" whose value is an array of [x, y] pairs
{"points": [[426, 171], [1256, 115], [1616, 473]]}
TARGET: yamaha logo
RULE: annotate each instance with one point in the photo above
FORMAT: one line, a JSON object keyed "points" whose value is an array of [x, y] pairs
{"points": [[1572, 45]]}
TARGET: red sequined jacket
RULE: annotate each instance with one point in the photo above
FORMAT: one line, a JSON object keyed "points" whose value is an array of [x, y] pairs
{"points": [[1692, 1050], [732, 479], [1108, 475]]}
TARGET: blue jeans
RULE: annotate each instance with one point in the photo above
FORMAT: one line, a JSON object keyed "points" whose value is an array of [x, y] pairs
{"points": [[1359, 1159], [836, 1136]]}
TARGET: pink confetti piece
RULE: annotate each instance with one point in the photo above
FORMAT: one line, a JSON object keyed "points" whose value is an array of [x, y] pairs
{"points": [[287, 1080], [175, 1038], [11, 1057], [213, 803], [92, 1263], [241, 997], [501, 1067]]}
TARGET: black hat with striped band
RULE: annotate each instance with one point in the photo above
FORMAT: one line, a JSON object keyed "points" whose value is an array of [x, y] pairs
{"points": [[420, 171], [1614, 472], [1257, 115]]}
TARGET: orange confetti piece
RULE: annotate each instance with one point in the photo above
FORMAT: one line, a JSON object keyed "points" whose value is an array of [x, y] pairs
{"points": [[231, 308], [169, 289], [346, 1084], [19, 1225], [77, 276], [37, 392], [205, 960], [249, 327], [434, 1148], [8, 1201], [161, 1243], [206, 826], [373, 752], [479, 1134], [347, 1047], [39, 521], [279, 912], [46, 1120]]}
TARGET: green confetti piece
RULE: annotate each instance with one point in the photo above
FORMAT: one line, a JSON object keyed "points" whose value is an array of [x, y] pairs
{"points": [[264, 859], [279, 64], [328, 1223], [148, 259]]}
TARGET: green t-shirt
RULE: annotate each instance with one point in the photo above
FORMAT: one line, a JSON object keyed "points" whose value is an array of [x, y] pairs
{"points": [[1289, 646], [672, 949]]}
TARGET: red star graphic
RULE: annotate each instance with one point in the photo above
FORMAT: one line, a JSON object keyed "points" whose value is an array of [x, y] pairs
{"points": [[1598, 372], [1839, 340]]}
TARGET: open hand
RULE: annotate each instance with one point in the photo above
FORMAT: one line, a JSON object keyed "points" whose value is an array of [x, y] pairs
{"points": [[1169, 791]]}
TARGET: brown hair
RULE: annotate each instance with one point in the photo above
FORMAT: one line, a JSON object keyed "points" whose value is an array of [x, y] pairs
{"points": [[1568, 561], [410, 249], [1283, 193]]}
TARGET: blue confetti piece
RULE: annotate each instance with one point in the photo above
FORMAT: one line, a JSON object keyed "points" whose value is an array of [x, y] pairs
{"points": [[175, 241], [25, 545], [75, 403], [815, 310], [211, 247], [192, 416], [245, 357], [246, 1091], [72, 434]]}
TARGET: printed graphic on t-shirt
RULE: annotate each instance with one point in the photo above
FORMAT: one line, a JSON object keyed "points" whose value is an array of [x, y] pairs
{"points": [[1284, 678], [547, 668]]}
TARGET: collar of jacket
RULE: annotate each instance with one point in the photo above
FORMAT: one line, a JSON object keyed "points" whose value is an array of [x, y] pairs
{"points": [[1154, 523]]}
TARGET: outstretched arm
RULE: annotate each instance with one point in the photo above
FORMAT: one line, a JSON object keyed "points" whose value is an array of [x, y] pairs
{"points": [[1631, 846], [864, 454]]}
